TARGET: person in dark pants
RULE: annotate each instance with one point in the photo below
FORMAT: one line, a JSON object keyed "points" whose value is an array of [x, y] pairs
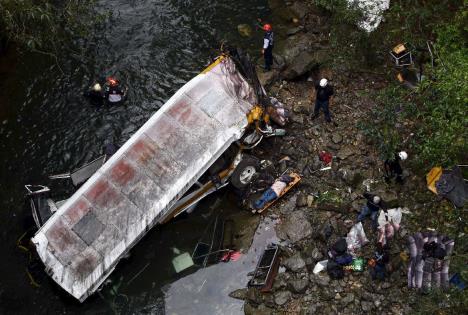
{"points": [[322, 99], [371, 208], [393, 168], [267, 50], [95, 95]]}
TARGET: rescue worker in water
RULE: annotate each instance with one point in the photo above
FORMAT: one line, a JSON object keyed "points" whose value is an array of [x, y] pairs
{"points": [[267, 50], [114, 93]]}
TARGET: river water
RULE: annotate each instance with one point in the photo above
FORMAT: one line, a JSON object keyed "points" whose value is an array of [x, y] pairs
{"points": [[47, 127]]}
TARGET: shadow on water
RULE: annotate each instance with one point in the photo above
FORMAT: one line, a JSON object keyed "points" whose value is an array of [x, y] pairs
{"points": [[154, 47]]}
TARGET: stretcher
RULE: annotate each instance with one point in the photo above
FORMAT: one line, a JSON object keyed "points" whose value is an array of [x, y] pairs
{"points": [[296, 179]]}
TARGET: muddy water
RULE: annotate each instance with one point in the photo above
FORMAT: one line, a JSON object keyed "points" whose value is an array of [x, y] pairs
{"points": [[154, 47]]}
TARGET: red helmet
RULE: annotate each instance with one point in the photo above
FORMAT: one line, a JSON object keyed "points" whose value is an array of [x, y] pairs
{"points": [[112, 81], [267, 27]]}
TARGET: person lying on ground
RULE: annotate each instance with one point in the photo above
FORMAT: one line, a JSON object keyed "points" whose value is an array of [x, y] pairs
{"points": [[273, 192]]}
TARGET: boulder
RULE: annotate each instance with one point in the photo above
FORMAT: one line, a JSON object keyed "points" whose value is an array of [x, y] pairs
{"points": [[294, 263], [295, 227], [304, 62], [298, 285], [282, 297]]}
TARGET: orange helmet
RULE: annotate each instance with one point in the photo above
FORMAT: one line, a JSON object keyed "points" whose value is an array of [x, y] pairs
{"points": [[267, 27], [112, 81]]}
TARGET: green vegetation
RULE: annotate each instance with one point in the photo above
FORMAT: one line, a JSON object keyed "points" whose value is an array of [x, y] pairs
{"points": [[429, 121], [46, 26]]}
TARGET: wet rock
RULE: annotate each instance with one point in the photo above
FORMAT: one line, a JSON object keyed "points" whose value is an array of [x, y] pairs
{"points": [[295, 227], [282, 297], [239, 294], [294, 263], [301, 200], [298, 285]]}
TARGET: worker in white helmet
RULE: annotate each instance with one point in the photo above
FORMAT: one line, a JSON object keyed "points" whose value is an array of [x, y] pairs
{"points": [[324, 91], [95, 94], [393, 168]]}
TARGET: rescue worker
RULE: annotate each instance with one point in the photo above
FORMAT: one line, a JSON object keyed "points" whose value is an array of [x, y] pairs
{"points": [[95, 94], [371, 208], [114, 92], [267, 50], [393, 168], [324, 92]]}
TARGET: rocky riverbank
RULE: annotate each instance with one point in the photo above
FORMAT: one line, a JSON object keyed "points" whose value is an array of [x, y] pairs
{"points": [[330, 200]]}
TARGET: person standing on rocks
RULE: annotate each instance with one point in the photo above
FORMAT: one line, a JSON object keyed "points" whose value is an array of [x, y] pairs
{"points": [[393, 168], [267, 50], [324, 92]]}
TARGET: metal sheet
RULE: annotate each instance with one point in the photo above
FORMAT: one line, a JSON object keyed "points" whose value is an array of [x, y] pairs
{"points": [[140, 183]]}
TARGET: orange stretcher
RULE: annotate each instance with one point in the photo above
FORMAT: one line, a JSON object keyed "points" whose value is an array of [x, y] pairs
{"points": [[296, 179]]}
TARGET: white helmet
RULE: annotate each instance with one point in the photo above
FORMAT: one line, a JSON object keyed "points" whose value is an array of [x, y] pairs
{"points": [[376, 199], [403, 155], [323, 82], [97, 87]]}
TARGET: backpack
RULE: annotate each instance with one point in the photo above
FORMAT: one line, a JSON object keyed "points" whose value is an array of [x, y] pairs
{"points": [[334, 270]]}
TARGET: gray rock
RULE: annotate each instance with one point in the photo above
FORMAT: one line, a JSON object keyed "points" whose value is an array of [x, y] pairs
{"points": [[282, 297], [298, 285], [337, 138], [346, 152], [348, 298], [322, 279], [294, 263], [295, 227], [301, 200], [289, 205], [267, 78], [316, 254], [367, 306], [303, 63]]}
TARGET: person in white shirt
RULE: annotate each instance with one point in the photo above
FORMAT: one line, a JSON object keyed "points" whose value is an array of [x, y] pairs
{"points": [[267, 49]]}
